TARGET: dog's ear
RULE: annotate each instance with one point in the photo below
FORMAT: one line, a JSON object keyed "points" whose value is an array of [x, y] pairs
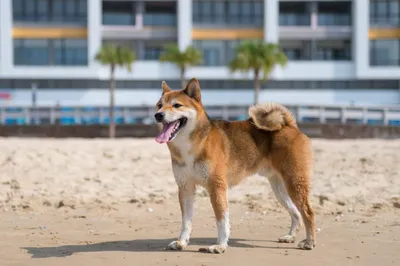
{"points": [[193, 89], [165, 87]]}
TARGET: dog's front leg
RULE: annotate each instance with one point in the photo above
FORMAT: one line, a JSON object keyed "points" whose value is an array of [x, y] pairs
{"points": [[218, 196], [186, 201]]}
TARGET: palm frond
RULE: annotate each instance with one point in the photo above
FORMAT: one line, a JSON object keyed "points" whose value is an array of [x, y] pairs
{"points": [[257, 56], [189, 57], [113, 55]]}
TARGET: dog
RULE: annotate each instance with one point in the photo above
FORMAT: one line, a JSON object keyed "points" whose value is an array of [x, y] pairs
{"points": [[218, 154]]}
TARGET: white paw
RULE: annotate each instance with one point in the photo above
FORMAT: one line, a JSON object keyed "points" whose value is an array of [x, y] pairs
{"points": [[215, 249], [306, 244], [176, 245], [287, 239]]}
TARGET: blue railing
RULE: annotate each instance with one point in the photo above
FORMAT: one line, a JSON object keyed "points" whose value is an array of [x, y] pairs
{"points": [[389, 115]]}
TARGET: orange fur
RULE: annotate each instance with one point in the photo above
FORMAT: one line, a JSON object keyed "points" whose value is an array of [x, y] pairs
{"points": [[219, 154]]}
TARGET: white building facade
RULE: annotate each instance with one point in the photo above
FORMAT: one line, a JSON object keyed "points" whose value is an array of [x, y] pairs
{"points": [[340, 52]]}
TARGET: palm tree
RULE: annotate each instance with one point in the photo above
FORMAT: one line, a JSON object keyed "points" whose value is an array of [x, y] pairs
{"points": [[257, 57], [189, 57], [114, 56]]}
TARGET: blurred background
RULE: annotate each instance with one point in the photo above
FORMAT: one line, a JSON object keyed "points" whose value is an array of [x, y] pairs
{"points": [[343, 58]]}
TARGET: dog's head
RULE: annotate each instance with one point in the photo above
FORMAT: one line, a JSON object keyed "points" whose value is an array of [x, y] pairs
{"points": [[177, 111]]}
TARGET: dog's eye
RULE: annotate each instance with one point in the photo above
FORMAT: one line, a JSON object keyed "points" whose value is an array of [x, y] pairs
{"points": [[159, 106], [177, 105]]}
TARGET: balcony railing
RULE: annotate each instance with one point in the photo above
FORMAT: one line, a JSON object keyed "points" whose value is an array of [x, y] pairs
{"points": [[292, 19], [334, 20], [120, 19], [389, 115], [153, 19]]}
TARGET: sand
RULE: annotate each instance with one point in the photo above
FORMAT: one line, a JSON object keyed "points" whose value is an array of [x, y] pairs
{"points": [[95, 202]]}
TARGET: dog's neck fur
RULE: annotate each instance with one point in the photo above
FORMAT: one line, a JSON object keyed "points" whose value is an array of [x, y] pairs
{"points": [[196, 131]]}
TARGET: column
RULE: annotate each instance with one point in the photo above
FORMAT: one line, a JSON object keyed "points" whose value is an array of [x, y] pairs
{"points": [[185, 23], [94, 29], [271, 21], [139, 14], [6, 39], [314, 14], [360, 38]]}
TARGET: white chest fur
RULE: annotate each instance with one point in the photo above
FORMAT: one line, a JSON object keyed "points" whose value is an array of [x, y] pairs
{"points": [[190, 170]]}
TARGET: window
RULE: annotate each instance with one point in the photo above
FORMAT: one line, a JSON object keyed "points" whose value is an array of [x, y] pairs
{"points": [[217, 52], [385, 52], [385, 12], [294, 14], [70, 52], [159, 14], [296, 49], [119, 13], [71, 11], [292, 53], [206, 84], [334, 13], [152, 52], [31, 52], [228, 12], [42, 52]]}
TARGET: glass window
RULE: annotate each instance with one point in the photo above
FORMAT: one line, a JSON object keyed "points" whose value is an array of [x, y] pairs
{"points": [[334, 13], [71, 11], [152, 53], [70, 52], [294, 14], [211, 56], [58, 10], [31, 52], [385, 52], [232, 12], [219, 9], [35, 52], [118, 13], [82, 8], [30, 10], [292, 53], [18, 9], [43, 10], [385, 12]]}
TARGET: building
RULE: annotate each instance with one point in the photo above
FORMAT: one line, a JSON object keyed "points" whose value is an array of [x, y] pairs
{"points": [[341, 52]]}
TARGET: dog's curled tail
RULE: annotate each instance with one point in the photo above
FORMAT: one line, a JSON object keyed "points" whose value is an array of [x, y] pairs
{"points": [[271, 116]]}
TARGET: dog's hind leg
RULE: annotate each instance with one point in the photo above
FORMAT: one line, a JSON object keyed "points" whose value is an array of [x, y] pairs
{"points": [[186, 201], [279, 189], [298, 190]]}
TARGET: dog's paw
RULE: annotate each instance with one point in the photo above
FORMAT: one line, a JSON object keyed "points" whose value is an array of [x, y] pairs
{"points": [[306, 244], [287, 239], [215, 249], [176, 245]]}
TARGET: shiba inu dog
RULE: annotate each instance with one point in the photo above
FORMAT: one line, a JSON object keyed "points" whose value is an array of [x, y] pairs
{"points": [[220, 154]]}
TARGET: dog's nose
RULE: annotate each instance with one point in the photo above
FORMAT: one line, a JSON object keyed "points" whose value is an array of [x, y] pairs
{"points": [[159, 116]]}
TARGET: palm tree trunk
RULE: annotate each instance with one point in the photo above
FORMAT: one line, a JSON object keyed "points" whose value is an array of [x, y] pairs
{"points": [[183, 82], [256, 86], [111, 129]]}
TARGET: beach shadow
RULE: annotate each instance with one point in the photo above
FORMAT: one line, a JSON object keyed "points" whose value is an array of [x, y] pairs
{"points": [[139, 245]]}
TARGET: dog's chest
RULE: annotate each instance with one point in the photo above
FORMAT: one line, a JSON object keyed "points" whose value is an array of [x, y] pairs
{"points": [[189, 169]]}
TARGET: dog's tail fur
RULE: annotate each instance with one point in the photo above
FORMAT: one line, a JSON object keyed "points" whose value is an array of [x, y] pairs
{"points": [[271, 116]]}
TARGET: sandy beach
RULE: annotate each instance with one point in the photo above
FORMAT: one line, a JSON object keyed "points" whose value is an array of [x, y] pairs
{"points": [[103, 202]]}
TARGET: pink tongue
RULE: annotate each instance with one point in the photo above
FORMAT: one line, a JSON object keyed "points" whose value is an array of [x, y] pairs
{"points": [[165, 134]]}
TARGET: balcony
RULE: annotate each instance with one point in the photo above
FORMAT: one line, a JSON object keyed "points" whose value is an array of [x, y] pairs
{"points": [[116, 18], [334, 19], [293, 19], [159, 19]]}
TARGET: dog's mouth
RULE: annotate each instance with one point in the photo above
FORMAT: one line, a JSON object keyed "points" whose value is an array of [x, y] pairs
{"points": [[170, 130]]}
